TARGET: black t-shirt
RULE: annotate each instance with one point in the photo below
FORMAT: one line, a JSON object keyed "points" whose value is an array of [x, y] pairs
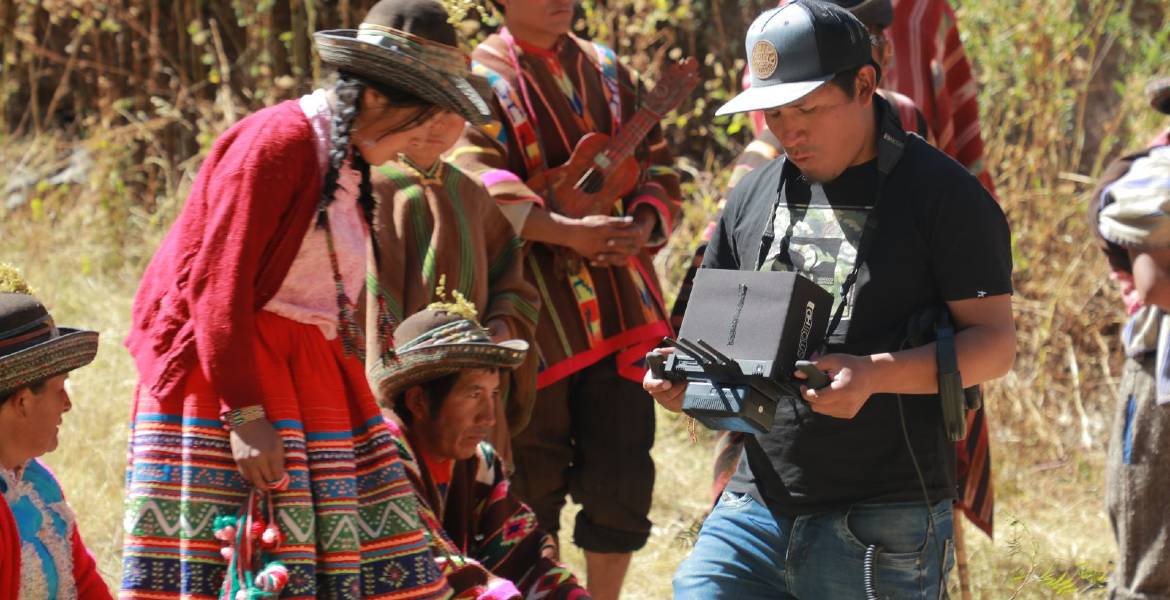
{"points": [[940, 237], [818, 231]]}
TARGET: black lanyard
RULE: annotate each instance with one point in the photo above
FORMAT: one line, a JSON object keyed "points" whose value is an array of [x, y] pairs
{"points": [[890, 146]]}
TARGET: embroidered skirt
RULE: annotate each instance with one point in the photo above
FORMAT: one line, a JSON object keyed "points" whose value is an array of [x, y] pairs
{"points": [[350, 515]]}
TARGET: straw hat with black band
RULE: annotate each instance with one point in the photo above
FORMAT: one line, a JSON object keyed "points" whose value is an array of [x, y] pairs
{"points": [[440, 341], [32, 347], [409, 45]]}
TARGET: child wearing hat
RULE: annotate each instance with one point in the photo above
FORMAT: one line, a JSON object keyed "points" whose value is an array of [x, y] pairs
{"points": [[41, 551], [259, 463]]}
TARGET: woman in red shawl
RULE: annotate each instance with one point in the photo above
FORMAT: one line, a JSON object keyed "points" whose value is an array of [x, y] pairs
{"points": [[257, 451]]}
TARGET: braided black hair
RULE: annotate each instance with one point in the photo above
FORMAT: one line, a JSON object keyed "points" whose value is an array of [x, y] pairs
{"points": [[348, 91]]}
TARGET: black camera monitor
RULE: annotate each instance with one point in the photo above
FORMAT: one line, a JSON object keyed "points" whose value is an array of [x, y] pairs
{"points": [[741, 337]]}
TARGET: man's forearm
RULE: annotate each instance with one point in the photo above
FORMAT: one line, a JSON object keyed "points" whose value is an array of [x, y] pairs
{"points": [[984, 353], [547, 227]]}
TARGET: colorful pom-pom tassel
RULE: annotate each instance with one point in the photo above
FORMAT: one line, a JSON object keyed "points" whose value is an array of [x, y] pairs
{"points": [[224, 528], [273, 578], [257, 529], [226, 534], [227, 553], [272, 537]]}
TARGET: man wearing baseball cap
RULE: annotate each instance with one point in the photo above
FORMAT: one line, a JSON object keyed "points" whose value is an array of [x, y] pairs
{"points": [[850, 493], [876, 15]]}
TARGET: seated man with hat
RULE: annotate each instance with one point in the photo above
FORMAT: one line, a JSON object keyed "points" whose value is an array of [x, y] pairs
{"points": [[441, 392], [41, 552]]}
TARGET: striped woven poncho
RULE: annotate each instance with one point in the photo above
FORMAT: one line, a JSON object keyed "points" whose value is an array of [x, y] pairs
{"points": [[546, 100], [443, 230], [493, 533]]}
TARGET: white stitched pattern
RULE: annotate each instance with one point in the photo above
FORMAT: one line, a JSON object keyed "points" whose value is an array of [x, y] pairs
{"points": [[54, 537]]}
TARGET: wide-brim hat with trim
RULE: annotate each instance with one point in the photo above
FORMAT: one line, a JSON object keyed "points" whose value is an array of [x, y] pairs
{"points": [[436, 342], [33, 348], [1158, 91], [409, 45]]}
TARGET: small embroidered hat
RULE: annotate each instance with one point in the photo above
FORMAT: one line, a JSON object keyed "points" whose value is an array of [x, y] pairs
{"points": [[32, 347]]}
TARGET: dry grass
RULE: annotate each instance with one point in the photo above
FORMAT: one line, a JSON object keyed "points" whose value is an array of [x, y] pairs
{"points": [[1050, 512], [1050, 515], [59, 262], [1051, 70]]}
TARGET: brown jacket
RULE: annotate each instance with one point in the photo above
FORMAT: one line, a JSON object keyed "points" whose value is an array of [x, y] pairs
{"points": [[447, 229]]}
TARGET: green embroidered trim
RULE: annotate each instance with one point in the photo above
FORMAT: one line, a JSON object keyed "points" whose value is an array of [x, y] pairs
{"points": [[466, 254], [544, 298], [423, 230], [526, 309], [501, 262], [392, 303]]}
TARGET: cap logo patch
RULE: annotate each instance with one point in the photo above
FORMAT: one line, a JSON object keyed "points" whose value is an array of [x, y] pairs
{"points": [[764, 59]]}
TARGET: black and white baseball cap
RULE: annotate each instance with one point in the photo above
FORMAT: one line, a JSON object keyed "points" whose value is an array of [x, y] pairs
{"points": [[794, 49]]}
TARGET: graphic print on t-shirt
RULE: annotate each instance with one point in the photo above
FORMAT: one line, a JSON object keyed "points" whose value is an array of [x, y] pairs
{"points": [[820, 242]]}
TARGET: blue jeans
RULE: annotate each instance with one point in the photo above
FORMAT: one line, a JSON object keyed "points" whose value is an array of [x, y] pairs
{"points": [[744, 552]]}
